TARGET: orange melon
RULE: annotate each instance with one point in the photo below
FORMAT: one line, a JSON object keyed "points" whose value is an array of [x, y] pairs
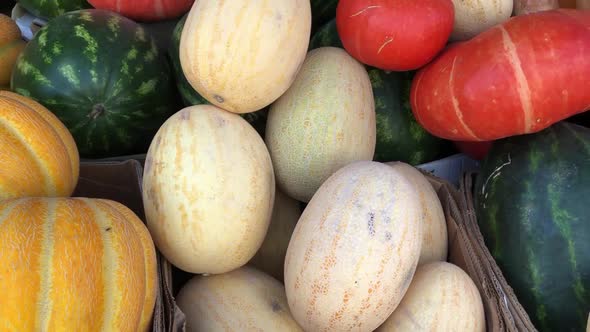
{"points": [[11, 45], [38, 155], [244, 299], [354, 250], [442, 297], [74, 264]]}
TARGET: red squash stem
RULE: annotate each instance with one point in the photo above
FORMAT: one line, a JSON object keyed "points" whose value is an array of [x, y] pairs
{"points": [[523, 7], [517, 77]]}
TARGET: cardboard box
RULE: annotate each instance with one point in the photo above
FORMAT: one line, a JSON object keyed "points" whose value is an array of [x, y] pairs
{"points": [[121, 181]]}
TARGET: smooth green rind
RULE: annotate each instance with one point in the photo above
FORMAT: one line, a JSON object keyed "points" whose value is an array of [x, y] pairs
{"points": [[322, 11], [532, 209], [90, 60], [189, 95], [399, 136], [48, 9]]}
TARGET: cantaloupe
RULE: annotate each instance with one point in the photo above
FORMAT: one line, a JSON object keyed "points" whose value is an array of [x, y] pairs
{"points": [[435, 238], [442, 297], [241, 55], [355, 249], [245, 299], [325, 121], [11, 45], [208, 190], [38, 155], [475, 16], [75, 264], [270, 258]]}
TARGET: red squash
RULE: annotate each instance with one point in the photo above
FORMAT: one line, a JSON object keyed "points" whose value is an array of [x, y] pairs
{"points": [[395, 35], [518, 77], [145, 10]]}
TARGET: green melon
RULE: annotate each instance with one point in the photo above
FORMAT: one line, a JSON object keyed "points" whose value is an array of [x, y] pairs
{"points": [[399, 136], [48, 9]]}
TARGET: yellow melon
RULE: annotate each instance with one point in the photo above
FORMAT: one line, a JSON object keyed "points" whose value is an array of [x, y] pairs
{"points": [[75, 264], [435, 238], [270, 258], [325, 121], [245, 299], [208, 190], [442, 297], [11, 45], [38, 155], [354, 250], [241, 55]]}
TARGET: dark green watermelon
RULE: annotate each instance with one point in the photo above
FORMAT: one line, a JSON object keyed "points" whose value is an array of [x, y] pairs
{"points": [[322, 11], [189, 95], [104, 78], [532, 205], [48, 9], [399, 136]]}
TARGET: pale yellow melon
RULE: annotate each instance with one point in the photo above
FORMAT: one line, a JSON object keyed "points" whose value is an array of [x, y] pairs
{"points": [[475, 16], [208, 190], [442, 297], [245, 299], [241, 55], [270, 258], [435, 238], [325, 121], [354, 250]]}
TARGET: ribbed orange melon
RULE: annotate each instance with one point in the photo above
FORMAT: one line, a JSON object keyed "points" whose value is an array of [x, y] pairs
{"points": [[74, 264], [11, 45], [38, 155]]}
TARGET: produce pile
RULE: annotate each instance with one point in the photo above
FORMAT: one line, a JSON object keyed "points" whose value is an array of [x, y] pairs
{"points": [[281, 141]]}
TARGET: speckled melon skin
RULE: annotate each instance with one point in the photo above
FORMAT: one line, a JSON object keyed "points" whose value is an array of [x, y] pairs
{"points": [[354, 250], [435, 240], [208, 190], [324, 121], [245, 299], [442, 297]]}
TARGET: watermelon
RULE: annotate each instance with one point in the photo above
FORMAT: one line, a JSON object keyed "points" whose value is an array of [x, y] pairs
{"points": [[322, 11], [47, 9], [189, 95], [532, 208], [103, 76], [399, 136]]}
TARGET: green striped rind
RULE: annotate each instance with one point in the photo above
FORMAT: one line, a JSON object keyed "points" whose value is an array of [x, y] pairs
{"points": [[189, 95], [322, 11], [399, 136], [533, 211], [88, 60], [49, 9]]}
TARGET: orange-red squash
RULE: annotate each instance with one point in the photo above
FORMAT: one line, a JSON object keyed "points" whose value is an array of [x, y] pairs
{"points": [[38, 155], [517, 77], [145, 10], [74, 264]]}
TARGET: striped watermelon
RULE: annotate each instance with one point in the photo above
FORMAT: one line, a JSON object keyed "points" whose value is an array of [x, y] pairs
{"points": [[49, 9], [532, 208], [103, 76], [189, 95], [322, 11], [399, 136]]}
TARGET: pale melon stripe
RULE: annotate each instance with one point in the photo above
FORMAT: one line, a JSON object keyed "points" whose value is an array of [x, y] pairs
{"points": [[109, 267], [44, 302]]}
